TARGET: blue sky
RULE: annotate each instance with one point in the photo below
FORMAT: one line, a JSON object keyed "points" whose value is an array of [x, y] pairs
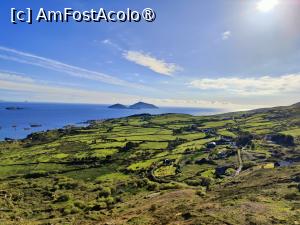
{"points": [[218, 53]]}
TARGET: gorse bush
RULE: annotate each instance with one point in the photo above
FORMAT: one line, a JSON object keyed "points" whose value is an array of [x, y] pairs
{"points": [[282, 139], [63, 198], [68, 185], [98, 206], [71, 146], [80, 204], [152, 186], [174, 143], [104, 192], [230, 172], [36, 174], [244, 140], [168, 186], [201, 192], [129, 146], [193, 182]]}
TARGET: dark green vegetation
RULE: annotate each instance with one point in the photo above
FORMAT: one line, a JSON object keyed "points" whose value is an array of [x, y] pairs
{"points": [[237, 168]]}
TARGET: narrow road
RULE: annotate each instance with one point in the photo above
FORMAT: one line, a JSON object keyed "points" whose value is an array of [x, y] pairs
{"points": [[240, 161]]}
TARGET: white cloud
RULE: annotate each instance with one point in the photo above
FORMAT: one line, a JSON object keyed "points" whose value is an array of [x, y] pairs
{"points": [[27, 58], [110, 43], [40, 91], [226, 35], [265, 85], [106, 41], [146, 60], [14, 77], [156, 65], [225, 106]]}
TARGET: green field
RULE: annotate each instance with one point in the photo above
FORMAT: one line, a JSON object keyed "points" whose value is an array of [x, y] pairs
{"points": [[164, 169]]}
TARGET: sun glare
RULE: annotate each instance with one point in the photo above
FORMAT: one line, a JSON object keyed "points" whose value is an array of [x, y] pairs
{"points": [[267, 5]]}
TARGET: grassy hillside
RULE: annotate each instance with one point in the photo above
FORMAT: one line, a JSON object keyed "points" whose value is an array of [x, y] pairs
{"points": [[236, 168]]}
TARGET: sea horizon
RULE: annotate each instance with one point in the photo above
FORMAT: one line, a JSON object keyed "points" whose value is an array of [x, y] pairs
{"points": [[42, 116]]}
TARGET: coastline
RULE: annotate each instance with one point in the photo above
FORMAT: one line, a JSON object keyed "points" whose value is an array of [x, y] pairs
{"points": [[15, 124]]}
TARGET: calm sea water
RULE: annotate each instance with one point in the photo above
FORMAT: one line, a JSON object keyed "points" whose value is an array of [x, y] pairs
{"points": [[16, 123]]}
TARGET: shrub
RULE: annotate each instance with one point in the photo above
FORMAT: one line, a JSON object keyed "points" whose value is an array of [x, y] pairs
{"points": [[187, 216], [99, 206], [206, 182], [189, 162], [109, 200], [68, 185], [80, 204], [105, 192], [47, 194], [244, 140], [119, 199], [152, 186], [168, 186], [129, 146], [282, 139], [174, 143], [193, 182], [63, 198], [36, 174], [153, 207], [42, 137], [201, 192], [142, 183], [66, 211], [292, 196], [296, 178], [249, 164], [73, 146], [230, 172], [69, 210], [96, 187]]}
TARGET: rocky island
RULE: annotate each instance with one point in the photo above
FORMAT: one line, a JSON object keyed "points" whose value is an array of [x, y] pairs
{"points": [[138, 105], [118, 106], [14, 108], [143, 105]]}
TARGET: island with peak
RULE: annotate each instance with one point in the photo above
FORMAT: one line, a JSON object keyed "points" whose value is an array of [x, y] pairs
{"points": [[138, 105], [118, 106]]}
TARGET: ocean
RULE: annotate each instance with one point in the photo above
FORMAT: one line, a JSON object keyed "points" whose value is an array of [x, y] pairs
{"points": [[34, 117]]}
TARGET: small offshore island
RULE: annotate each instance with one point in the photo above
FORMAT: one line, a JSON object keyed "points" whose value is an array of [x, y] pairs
{"points": [[14, 108], [138, 105]]}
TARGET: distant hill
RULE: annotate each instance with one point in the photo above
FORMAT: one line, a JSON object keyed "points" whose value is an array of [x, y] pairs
{"points": [[142, 105], [138, 105], [297, 105], [118, 106]]}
